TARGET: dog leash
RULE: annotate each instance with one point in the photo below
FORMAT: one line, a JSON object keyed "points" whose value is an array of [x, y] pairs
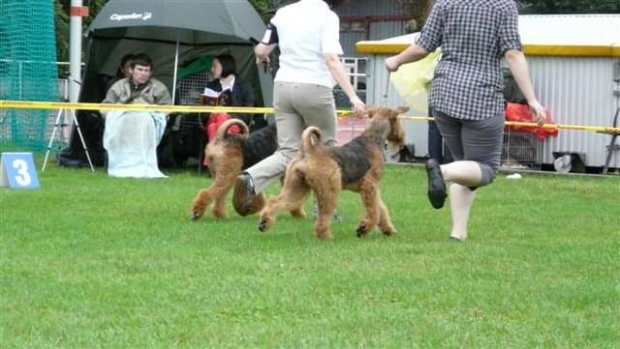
{"points": [[387, 89]]}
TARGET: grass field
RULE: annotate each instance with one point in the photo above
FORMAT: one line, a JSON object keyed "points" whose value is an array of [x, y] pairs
{"points": [[90, 261]]}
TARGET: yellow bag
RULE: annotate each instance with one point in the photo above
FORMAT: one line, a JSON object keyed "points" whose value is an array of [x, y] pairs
{"points": [[413, 81]]}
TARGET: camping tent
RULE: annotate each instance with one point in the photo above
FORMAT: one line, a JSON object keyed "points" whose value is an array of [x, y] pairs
{"points": [[174, 33]]}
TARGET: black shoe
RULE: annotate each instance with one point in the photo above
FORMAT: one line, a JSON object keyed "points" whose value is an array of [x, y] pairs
{"points": [[455, 239], [244, 189], [436, 184]]}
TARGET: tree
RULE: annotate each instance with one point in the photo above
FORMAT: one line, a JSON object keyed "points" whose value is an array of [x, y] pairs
{"points": [[265, 8], [61, 9], [421, 8], [569, 6]]}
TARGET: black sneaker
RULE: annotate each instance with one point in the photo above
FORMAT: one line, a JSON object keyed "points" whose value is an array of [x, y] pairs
{"points": [[436, 184], [244, 189]]}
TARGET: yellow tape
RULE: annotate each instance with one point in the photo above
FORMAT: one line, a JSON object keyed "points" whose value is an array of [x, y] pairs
{"points": [[247, 110], [138, 107], [132, 107], [597, 129]]}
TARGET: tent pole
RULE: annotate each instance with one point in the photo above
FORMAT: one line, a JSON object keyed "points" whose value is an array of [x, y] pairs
{"points": [[176, 67]]}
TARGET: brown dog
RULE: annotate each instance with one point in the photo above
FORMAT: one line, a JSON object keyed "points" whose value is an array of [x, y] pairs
{"points": [[356, 166], [227, 156]]}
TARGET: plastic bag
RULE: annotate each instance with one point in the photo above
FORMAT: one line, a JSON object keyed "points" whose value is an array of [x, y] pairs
{"points": [[522, 113], [413, 81]]}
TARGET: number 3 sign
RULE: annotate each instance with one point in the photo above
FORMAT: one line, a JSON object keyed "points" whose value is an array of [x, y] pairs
{"points": [[17, 171]]}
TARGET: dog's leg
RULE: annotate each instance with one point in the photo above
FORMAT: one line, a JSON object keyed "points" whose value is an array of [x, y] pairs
{"points": [[328, 195], [226, 165], [223, 183], [369, 194], [292, 197], [218, 192], [385, 223], [201, 203]]}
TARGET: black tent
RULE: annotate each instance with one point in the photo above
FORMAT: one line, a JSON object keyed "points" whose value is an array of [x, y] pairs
{"points": [[174, 33]]}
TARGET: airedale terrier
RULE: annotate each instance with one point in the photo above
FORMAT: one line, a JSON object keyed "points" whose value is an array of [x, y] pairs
{"points": [[227, 155], [327, 170]]}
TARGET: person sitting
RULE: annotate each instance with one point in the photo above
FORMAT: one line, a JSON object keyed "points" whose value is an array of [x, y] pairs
{"points": [[239, 92], [131, 137], [123, 70]]}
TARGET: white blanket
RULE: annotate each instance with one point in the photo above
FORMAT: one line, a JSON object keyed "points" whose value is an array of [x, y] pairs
{"points": [[131, 139]]}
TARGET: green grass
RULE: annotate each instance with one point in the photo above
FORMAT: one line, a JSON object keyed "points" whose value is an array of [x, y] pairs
{"points": [[90, 261]]}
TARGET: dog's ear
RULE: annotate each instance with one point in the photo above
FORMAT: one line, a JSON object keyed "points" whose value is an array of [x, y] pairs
{"points": [[398, 111], [370, 112], [402, 110]]}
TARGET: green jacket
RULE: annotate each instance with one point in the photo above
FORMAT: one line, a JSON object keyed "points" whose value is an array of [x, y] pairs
{"points": [[155, 92]]}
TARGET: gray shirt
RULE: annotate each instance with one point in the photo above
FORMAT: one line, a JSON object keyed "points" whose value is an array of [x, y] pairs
{"points": [[473, 35]]}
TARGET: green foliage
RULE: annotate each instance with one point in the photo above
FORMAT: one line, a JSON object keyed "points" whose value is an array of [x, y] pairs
{"points": [[570, 6], [420, 9], [62, 7], [90, 261], [63, 20]]}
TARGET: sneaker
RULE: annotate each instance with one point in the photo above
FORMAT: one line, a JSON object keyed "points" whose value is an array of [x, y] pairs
{"points": [[244, 189], [436, 184], [455, 239]]}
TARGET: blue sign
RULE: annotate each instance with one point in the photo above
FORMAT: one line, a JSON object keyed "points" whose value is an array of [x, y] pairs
{"points": [[17, 171]]}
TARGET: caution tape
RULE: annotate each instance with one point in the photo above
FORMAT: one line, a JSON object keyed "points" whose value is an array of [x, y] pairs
{"points": [[597, 129], [4, 104], [132, 107]]}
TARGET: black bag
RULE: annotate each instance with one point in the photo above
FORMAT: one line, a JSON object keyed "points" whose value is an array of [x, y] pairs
{"points": [[184, 138]]}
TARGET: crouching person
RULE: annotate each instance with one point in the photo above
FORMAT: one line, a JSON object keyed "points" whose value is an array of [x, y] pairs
{"points": [[131, 137]]}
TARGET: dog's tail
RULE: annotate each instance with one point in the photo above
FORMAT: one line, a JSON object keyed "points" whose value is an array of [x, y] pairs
{"points": [[310, 139], [224, 127]]}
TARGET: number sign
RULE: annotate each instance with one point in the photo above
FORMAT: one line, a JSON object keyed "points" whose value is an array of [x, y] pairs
{"points": [[17, 171]]}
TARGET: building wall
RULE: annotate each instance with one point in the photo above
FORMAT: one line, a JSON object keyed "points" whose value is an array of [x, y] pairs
{"points": [[576, 91], [370, 20]]}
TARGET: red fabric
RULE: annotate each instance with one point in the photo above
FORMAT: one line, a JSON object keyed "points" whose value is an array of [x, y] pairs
{"points": [[522, 113], [215, 121]]}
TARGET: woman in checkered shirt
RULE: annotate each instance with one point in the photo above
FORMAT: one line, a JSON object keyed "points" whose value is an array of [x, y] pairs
{"points": [[466, 96]]}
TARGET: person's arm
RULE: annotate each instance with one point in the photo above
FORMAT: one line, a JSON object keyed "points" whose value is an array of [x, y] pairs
{"points": [[518, 67], [262, 52], [429, 40], [111, 97], [163, 97], [338, 73], [413, 53]]}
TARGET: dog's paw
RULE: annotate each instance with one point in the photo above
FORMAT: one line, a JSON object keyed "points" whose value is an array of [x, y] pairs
{"points": [[219, 214], [389, 232], [263, 226], [196, 216], [362, 230]]}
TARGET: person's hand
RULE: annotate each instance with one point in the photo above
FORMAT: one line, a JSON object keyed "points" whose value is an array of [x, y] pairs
{"points": [[358, 106], [262, 60], [392, 64], [538, 111]]}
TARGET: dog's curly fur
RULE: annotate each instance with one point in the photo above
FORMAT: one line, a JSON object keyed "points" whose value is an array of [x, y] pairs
{"points": [[227, 155], [325, 170]]}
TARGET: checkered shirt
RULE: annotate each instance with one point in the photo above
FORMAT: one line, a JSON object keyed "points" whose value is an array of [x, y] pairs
{"points": [[473, 35]]}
